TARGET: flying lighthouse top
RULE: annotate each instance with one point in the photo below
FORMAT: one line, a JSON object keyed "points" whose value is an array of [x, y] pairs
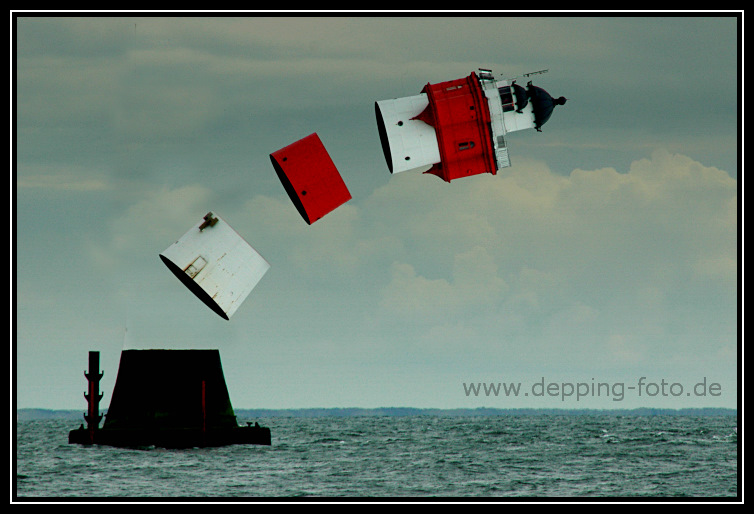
{"points": [[457, 128]]}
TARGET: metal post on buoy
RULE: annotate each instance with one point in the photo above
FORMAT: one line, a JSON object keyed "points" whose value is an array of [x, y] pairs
{"points": [[93, 396]]}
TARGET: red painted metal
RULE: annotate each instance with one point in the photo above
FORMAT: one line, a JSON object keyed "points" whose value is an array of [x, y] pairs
{"points": [[460, 115], [91, 412], [310, 178]]}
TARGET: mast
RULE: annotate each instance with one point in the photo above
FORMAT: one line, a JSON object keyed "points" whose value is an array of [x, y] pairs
{"points": [[93, 396]]}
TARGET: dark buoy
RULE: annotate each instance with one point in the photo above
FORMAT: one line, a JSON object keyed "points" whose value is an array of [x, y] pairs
{"points": [[168, 399]]}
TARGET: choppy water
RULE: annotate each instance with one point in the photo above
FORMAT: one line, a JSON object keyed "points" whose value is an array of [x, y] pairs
{"points": [[421, 456]]}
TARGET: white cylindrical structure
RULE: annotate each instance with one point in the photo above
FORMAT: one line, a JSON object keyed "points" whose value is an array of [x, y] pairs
{"points": [[408, 144], [458, 128], [216, 264]]}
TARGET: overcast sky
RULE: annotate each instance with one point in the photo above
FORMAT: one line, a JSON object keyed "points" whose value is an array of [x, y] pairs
{"points": [[606, 253]]}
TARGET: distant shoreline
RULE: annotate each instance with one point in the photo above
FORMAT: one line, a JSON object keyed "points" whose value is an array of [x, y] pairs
{"points": [[41, 414]]}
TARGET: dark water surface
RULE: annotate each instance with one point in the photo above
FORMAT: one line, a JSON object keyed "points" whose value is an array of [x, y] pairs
{"points": [[418, 456]]}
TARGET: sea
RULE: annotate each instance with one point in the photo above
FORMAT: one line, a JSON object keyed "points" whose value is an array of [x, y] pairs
{"points": [[409, 458]]}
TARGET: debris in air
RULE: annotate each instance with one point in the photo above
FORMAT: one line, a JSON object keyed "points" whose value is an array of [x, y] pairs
{"points": [[216, 264], [457, 128], [310, 178]]}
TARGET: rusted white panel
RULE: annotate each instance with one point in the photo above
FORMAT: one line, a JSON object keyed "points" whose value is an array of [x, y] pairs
{"points": [[216, 264]]}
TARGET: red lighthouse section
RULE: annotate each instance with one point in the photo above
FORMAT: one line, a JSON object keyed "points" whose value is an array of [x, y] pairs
{"points": [[460, 115], [310, 178]]}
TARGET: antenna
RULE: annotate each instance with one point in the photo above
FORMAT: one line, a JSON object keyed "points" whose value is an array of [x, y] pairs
{"points": [[125, 335], [485, 74]]}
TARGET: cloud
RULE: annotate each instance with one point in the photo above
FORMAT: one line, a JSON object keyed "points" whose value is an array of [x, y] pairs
{"points": [[722, 267], [563, 266], [558, 260], [621, 350], [62, 183], [473, 287], [336, 248], [149, 226], [526, 240], [525, 235]]}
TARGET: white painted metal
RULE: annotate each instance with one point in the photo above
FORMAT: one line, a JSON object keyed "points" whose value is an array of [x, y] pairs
{"points": [[503, 122], [501, 153], [513, 120], [216, 264], [496, 122], [413, 143]]}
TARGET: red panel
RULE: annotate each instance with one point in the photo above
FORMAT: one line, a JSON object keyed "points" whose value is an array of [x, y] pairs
{"points": [[310, 178], [459, 113]]}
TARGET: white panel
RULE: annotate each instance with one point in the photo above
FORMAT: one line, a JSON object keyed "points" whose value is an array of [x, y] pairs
{"points": [[413, 143], [217, 264], [501, 155], [518, 120], [496, 122]]}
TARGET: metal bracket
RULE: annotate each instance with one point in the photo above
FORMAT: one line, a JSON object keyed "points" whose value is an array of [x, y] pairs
{"points": [[209, 221]]}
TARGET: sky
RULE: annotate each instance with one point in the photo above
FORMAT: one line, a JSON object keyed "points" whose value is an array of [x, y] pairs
{"points": [[606, 254]]}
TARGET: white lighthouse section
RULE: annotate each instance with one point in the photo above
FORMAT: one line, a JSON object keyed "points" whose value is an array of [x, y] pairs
{"points": [[217, 264], [409, 145], [513, 119], [496, 121], [505, 116]]}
